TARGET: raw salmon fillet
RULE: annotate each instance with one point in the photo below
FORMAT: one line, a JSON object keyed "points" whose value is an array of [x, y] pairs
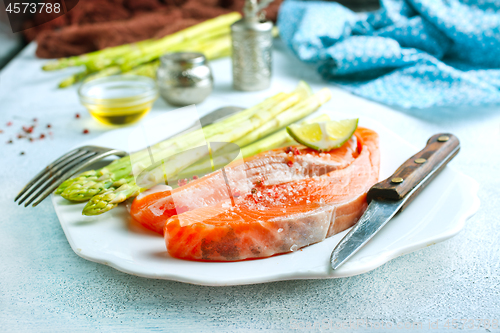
{"points": [[283, 200]]}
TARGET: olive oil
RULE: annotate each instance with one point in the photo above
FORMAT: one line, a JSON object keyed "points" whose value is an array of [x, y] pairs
{"points": [[118, 115]]}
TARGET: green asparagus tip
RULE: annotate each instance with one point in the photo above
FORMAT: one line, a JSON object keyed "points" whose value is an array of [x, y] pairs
{"points": [[67, 82], [99, 204], [51, 66], [85, 189], [64, 185]]}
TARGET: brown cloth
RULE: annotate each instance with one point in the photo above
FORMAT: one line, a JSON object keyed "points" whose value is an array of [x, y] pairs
{"points": [[96, 24]]}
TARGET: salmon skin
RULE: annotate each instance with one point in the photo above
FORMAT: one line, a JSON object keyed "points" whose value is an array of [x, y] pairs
{"points": [[286, 199]]}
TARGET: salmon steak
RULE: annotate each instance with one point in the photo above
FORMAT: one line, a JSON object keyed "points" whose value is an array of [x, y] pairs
{"points": [[272, 203]]}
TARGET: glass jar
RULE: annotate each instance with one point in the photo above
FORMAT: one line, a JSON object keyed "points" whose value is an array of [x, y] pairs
{"points": [[184, 78]]}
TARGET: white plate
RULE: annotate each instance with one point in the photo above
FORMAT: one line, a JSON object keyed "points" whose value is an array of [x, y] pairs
{"points": [[114, 239]]}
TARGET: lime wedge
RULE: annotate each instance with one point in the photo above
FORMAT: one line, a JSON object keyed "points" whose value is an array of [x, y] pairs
{"points": [[323, 136]]}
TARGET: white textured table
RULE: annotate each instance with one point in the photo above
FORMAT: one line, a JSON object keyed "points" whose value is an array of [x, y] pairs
{"points": [[44, 286]]}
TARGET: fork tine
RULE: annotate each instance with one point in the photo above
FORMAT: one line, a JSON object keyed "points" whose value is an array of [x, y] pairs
{"points": [[56, 176], [49, 173], [47, 170], [48, 190]]}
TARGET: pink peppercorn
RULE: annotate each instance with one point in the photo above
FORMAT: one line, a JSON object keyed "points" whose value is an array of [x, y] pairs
{"points": [[28, 129]]}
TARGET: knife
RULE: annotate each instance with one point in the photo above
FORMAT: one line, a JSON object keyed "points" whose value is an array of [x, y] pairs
{"points": [[394, 194]]}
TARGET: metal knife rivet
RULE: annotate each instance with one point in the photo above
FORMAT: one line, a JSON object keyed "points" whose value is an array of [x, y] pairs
{"points": [[397, 180], [420, 160], [443, 138]]}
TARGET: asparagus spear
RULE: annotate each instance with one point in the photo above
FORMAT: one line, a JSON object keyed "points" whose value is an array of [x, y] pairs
{"points": [[214, 44], [83, 186], [100, 59], [69, 181], [90, 175], [200, 43], [155, 50], [94, 59], [112, 70], [218, 48], [192, 139], [148, 69], [213, 49], [129, 56], [73, 79]]}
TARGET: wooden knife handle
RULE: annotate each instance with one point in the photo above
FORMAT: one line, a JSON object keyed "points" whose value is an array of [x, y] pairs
{"points": [[420, 169]]}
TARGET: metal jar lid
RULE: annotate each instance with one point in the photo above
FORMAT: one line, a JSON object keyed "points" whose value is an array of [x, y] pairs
{"points": [[245, 25], [183, 59]]}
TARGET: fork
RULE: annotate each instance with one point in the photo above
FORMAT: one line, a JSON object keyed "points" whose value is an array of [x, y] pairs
{"points": [[47, 180]]}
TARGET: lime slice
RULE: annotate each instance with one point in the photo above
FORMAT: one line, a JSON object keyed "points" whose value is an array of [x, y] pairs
{"points": [[323, 136]]}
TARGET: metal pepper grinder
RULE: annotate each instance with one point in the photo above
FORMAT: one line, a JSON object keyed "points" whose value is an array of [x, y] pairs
{"points": [[252, 41]]}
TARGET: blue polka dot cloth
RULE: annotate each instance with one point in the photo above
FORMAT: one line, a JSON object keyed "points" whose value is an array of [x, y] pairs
{"points": [[409, 53]]}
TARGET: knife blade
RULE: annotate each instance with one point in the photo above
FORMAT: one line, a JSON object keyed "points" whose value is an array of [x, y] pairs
{"points": [[393, 195]]}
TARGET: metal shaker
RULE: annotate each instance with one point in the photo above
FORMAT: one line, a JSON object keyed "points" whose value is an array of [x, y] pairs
{"points": [[184, 78], [252, 42]]}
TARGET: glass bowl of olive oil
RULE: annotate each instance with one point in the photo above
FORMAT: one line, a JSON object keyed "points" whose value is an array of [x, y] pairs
{"points": [[119, 99]]}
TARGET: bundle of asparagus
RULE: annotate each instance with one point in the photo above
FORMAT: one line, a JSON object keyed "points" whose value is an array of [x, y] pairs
{"points": [[107, 187], [211, 38]]}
